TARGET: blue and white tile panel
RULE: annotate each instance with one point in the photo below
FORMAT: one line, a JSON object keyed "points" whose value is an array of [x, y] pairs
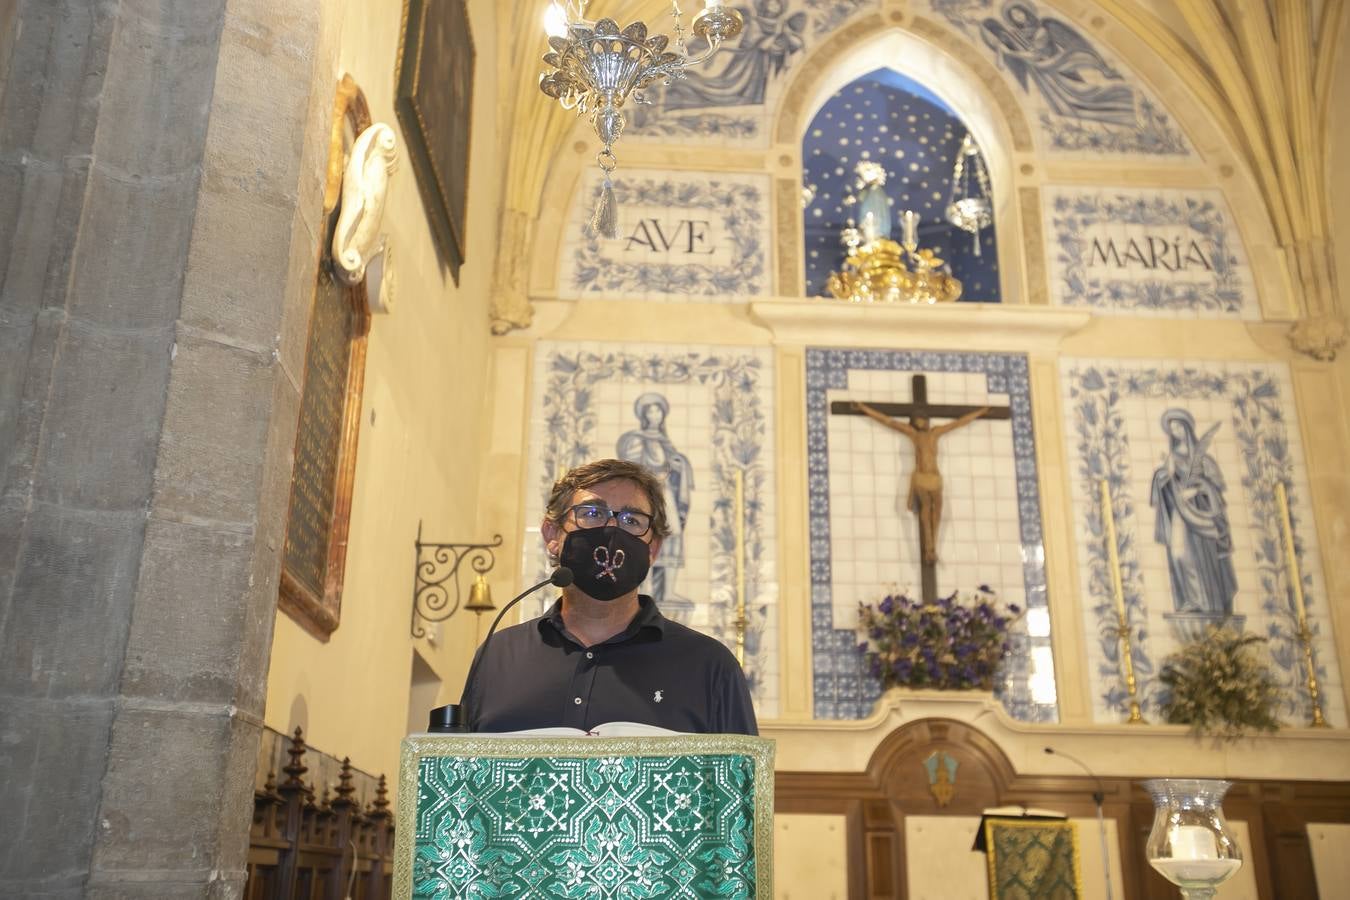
{"points": [[864, 543], [1114, 431], [1159, 253], [716, 408], [683, 236], [1085, 102], [731, 100]]}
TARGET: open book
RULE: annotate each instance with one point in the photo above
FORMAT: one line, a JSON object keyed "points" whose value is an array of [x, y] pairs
{"points": [[608, 729], [1019, 811]]}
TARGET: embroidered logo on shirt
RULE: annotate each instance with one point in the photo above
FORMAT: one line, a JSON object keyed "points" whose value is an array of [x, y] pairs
{"points": [[605, 565], [657, 696]]}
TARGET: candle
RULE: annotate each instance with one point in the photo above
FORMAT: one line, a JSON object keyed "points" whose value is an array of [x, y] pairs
{"points": [[555, 20], [1193, 842], [910, 220]]}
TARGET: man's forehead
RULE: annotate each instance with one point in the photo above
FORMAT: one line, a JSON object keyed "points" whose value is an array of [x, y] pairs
{"points": [[618, 493]]}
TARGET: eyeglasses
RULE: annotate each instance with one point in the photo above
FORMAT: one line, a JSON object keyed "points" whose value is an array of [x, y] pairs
{"points": [[597, 515]]}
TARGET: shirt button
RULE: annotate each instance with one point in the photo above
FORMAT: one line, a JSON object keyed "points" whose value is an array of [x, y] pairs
{"points": [[590, 655], [577, 701]]}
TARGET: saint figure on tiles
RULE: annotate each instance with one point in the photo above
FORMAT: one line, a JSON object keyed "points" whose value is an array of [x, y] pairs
{"points": [[1071, 75], [649, 446], [769, 40], [1192, 520]]}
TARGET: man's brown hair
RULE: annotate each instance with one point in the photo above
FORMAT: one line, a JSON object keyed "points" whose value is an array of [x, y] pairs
{"points": [[592, 473]]}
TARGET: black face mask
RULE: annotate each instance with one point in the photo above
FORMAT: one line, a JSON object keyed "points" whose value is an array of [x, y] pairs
{"points": [[606, 562]]}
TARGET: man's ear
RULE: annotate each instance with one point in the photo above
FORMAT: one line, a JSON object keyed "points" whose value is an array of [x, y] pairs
{"points": [[655, 548], [554, 536]]}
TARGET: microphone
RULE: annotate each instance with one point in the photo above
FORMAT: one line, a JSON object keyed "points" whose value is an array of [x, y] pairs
{"points": [[1098, 797], [454, 718]]}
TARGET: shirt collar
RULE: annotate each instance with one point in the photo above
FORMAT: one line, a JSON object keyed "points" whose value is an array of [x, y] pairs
{"points": [[648, 617]]}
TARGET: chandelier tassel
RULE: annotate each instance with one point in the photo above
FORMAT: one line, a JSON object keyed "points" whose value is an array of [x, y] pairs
{"points": [[594, 68], [605, 221]]}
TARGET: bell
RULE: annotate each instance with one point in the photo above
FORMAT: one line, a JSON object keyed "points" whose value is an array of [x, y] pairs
{"points": [[480, 597]]}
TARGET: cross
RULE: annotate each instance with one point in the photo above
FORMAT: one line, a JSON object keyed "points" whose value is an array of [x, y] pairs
{"points": [[925, 492]]}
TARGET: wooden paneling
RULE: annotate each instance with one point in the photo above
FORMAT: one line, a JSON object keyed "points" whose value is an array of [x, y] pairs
{"points": [[896, 784]]}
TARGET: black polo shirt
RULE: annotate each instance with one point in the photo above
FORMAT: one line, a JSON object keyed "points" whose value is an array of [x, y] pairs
{"points": [[656, 672]]}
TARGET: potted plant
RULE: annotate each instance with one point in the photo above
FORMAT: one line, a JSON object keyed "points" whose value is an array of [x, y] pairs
{"points": [[954, 643]]}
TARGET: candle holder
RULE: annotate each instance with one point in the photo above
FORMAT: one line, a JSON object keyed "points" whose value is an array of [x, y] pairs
{"points": [[1191, 844]]}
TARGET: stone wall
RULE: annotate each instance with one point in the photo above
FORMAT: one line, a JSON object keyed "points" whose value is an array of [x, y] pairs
{"points": [[151, 323]]}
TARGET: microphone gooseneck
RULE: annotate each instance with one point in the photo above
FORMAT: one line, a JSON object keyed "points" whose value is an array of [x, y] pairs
{"points": [[455, 717], [1099, 796]]}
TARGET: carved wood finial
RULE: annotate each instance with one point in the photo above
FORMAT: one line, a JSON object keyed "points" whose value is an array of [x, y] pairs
{"points": [[381, 805], [296, 767], [345, 788]]}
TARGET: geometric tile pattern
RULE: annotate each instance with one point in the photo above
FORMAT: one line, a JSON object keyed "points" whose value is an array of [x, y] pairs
{"points": [[548, 827]]}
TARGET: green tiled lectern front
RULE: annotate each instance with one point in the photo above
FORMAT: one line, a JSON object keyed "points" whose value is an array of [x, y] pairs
{"points": [[577, 817]]}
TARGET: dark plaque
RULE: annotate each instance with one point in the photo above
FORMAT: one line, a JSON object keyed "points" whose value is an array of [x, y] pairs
{"points": [[319, 439], [315, 551]]}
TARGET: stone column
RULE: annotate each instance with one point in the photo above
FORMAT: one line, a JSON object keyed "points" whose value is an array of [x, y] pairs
{"points": [[160, 183]]}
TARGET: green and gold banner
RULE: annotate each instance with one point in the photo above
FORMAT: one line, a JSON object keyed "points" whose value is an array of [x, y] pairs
{"points": [[1032, 860], [585, 818]]}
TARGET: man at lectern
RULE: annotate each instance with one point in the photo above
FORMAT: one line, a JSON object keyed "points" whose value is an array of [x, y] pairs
{"points": [[603, 652]]}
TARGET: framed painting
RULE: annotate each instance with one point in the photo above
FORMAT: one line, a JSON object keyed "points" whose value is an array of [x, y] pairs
{"points": [[435, 106]]}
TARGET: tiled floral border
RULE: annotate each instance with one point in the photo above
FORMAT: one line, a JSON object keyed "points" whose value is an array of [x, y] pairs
{"points": [[567, 379], [1099, 444]]}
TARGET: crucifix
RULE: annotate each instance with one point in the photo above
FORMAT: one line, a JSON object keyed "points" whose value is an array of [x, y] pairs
{"points": [[925, 482]]}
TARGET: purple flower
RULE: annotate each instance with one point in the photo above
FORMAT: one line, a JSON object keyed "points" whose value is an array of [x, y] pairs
{"points": [[886, 606]]}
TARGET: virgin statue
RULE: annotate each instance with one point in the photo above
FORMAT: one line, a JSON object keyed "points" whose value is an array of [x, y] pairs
{"points": [[1192, 520], [651, 447]]}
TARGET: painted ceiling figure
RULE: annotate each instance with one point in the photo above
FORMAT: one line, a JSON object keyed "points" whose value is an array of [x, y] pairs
{"points": [[762, 53], [1192, 520], [1071, 75], [650, 447]]}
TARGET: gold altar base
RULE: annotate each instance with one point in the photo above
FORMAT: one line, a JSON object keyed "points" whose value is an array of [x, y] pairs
{"points": [[875, 272]]}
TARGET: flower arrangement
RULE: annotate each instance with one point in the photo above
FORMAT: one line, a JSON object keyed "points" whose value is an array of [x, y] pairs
{"points": [[1220, 686], [952, 644]]}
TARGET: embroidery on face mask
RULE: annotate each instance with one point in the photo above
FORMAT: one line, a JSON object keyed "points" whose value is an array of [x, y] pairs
{"points": [[657, 697], [605, 565]]}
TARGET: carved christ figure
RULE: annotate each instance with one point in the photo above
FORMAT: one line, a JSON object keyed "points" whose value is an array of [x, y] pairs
{"points": [[925, 482]]}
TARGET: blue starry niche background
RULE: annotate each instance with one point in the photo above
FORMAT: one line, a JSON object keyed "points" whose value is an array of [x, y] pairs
{"points": [[895, 121]]}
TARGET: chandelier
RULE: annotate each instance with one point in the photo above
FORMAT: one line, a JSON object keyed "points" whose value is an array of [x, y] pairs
{"points": [[596, 68], [879, 270], [969, 208]]}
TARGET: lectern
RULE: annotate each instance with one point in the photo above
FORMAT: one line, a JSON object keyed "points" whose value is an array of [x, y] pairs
{"points": [[577, 816]]}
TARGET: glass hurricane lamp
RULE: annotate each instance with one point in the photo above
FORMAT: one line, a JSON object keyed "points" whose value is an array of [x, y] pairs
{"points": [[1191, 844], [596, 67]]}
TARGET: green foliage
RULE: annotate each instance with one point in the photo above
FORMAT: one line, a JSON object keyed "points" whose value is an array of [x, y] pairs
{"points": [[1221, 686]]}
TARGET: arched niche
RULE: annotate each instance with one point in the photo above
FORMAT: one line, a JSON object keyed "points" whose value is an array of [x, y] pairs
{"points": [[969, 86]]}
